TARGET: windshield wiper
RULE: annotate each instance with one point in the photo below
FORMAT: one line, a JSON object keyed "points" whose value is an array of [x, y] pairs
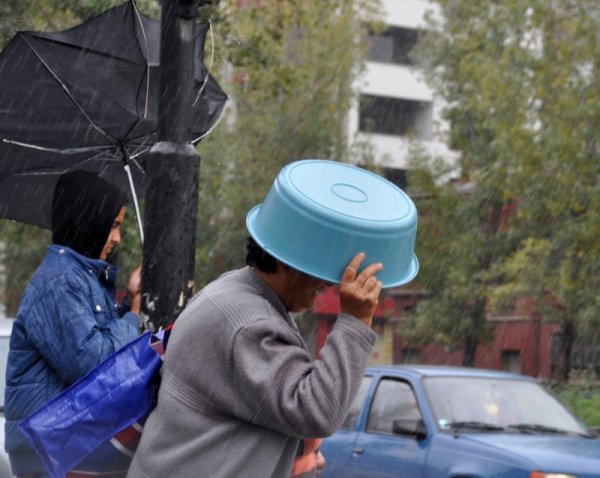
{"points": [[535, 428], [481, 426]]}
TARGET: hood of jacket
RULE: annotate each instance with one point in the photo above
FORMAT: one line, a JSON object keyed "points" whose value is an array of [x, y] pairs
{"points": [[84, 208]]}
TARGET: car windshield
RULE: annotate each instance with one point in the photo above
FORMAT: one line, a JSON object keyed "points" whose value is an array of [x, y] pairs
{"points": [[3, 360], [486, 404]]}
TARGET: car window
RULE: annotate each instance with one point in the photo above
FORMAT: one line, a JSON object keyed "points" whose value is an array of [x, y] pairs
{"points": [[502, 403], [394, 399], [3, 361], [357, 404]]}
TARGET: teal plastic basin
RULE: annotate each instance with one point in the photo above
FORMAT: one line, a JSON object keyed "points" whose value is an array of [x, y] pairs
{"points": [[319, 214]]}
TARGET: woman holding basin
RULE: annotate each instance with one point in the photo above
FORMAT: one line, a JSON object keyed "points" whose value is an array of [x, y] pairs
{"points": [[239, 389]]}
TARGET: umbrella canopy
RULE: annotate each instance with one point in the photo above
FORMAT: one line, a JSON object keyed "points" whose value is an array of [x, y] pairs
{"points": [[86, 98]]}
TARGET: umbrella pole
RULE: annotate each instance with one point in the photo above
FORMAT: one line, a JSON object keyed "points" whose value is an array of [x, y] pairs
{"points": [[135, 202]]}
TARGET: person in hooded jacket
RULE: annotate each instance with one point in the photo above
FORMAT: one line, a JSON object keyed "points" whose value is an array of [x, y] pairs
{"points": [[68, 320]]}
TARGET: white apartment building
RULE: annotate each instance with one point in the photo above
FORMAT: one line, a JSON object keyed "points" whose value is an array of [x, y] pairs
{"points": [[395, 102]]}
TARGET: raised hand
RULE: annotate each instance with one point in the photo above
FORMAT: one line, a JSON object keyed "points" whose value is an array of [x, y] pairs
{"points": [[359, 292], [134, 289]]}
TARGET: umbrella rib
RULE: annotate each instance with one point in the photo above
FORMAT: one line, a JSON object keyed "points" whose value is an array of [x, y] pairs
{"points": [[64, 87], [141, 137], [194, 141], [137, 15], [135, 202], [210, 65], [146, 99], [125, 156], [137, 164], [57, 150], [140, 149], [139, 152], [63, 170], [111, 157], [82, 48]]}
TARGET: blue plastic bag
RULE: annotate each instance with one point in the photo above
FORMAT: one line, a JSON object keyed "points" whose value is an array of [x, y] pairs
{"points": [[79, 428]]}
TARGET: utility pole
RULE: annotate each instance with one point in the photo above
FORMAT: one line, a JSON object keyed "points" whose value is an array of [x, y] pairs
{"points": [[172, 175]]}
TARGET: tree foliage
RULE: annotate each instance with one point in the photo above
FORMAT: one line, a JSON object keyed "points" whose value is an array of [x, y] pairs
{"points": [[51, 15], [289, 67], [520, 81]]}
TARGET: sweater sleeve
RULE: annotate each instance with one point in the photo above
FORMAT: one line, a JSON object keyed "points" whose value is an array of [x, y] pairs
{"points": [[71, 334], [279, 385]]}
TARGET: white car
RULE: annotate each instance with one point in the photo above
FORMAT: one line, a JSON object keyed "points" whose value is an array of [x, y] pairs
{"points": [[5, 330]]}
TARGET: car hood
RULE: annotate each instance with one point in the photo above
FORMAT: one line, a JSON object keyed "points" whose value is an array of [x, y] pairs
{"points": [[547, 453]]}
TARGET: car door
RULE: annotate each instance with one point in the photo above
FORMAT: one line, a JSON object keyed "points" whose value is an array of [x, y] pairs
{"points": [[382, 450], [337, 449]]}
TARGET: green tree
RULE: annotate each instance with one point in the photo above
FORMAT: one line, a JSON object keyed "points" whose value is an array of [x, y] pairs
{"points": [[519, 78], [16, 15], [459, 238], [289, 67]]}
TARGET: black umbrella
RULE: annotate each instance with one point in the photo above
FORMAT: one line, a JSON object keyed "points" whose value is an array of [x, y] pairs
{"points": [[86, 98]]}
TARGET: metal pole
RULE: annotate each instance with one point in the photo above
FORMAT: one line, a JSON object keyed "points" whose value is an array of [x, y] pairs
{"points": [[172, 171]]}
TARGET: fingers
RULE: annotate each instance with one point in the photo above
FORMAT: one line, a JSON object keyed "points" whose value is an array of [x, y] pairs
{"points": [[359, 292], [371, 284], [350, 272], [134, 285], [368, 273]]}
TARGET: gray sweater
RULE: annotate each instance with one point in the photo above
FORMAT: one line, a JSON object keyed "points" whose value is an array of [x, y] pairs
{"points": [[239, 388]]}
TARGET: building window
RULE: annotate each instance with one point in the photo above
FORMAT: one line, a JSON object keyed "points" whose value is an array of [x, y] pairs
{"points": [[511, 361], [396, 116], [400, 179], [411, 355], [393, 46]]}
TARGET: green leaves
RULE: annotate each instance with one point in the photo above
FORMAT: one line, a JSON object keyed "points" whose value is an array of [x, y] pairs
{"points": [[290, 77], [520, 81]]}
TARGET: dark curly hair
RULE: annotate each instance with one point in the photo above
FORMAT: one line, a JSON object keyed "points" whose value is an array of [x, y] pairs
{"points": [[257, 257]]}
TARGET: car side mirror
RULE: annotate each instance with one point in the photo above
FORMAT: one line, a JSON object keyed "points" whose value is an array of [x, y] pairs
{"points": [[594, 431], [410, 427]]}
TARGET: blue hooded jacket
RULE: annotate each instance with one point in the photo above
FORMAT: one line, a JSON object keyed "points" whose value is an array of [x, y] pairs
{"points": [[67, 323]]}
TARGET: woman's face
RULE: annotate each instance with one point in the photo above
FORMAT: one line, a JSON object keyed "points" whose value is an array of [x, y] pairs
{"points": [[114, 237]]}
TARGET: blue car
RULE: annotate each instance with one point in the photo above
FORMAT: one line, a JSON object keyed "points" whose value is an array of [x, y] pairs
{"points": [[437, 422]]}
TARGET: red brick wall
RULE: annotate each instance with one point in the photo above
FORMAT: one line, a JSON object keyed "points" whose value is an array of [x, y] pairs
{"points": [[531, 338]]}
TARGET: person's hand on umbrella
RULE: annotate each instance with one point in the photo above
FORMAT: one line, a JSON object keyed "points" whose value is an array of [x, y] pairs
{"points": [[359, 292], [134, 289]]}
